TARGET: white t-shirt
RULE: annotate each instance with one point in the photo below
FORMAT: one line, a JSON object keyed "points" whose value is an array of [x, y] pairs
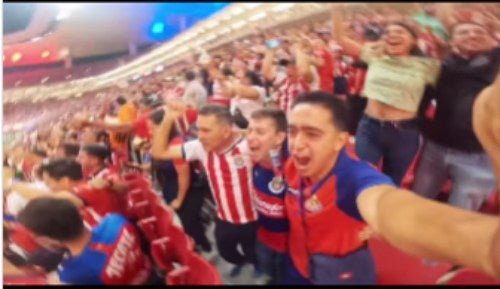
{"points": [[15, 202], [195, 94], [314, 85], [248, 106]]}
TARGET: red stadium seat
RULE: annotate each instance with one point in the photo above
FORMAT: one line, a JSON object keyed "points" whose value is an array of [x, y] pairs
{"points": [[467, 276], [164, 219], [136, 195], [90, 217], [152, 197], [141, 210], [23, 238], [174, 247], [205, 273], [178, 276], [394, 267], [131, 176], [137, 181], [148, 227], [159, 253], [197, 271]]}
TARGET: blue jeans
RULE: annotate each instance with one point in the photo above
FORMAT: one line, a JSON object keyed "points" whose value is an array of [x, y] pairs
{"points": [[271, 262], [471, 174], [395, 143], [293, 276]]}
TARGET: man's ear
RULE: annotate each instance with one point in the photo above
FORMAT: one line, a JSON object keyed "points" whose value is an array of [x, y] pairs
{"points": [[341, 140], [280, 138]]}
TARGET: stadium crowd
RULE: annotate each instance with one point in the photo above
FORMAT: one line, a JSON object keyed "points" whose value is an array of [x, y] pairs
{"points": [[307, 141]]}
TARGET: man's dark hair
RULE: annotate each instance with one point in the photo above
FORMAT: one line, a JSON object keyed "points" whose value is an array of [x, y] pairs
{"points": [[96, 150], [254, 78], [121, 100], [221, 112], [337, 107], [277, 115], [157, 116], [39, 153], [226, 71], [283, 62], [190, 75], [63, 167], [71, 150], [58, 219]]}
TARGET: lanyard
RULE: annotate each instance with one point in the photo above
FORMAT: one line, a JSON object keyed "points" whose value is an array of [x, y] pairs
{"points": [[314, 189]]}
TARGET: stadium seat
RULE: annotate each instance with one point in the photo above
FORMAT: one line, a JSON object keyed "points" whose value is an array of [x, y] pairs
{"points": [[137, 181], [395, 267], [197, 271], [23, 238], [136, 195], [178, 276], [159, 253], [148, 227], [174, 247], [140, 210], [90, 217], [151, 196], [466, 276], [164, 219]]}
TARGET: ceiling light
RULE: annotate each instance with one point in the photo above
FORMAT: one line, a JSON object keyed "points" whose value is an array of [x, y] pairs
{"points": [[16, 57], [62, 15], [212, 24], [252, 5], [239, 24], [158, 28], [258, 16], [64, 52], [282, 7], [237, 11], [225, 30], [45, 54], [68, 6], [159, 68]]}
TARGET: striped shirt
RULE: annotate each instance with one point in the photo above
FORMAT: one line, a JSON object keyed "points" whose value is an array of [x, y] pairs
{"points": [[288, 90], [356, 76], [230, 178]]}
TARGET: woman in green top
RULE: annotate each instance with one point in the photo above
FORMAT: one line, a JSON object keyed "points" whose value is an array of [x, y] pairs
{"points": [[395, 83]]}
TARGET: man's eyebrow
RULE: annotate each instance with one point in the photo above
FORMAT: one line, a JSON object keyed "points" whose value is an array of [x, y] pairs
{"points": [[306, 128]]}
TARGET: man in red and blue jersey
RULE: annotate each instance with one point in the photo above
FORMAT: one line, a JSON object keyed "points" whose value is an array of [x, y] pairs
{"points": [[323, 184], [110, 253], [266, 140]]}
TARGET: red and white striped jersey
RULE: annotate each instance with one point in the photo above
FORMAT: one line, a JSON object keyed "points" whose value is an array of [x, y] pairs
{"points": [[356, 78], [288, 91], [230, 178]]}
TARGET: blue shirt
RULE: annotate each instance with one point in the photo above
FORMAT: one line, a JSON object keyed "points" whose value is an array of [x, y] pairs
{"points": [[112, 256]]}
